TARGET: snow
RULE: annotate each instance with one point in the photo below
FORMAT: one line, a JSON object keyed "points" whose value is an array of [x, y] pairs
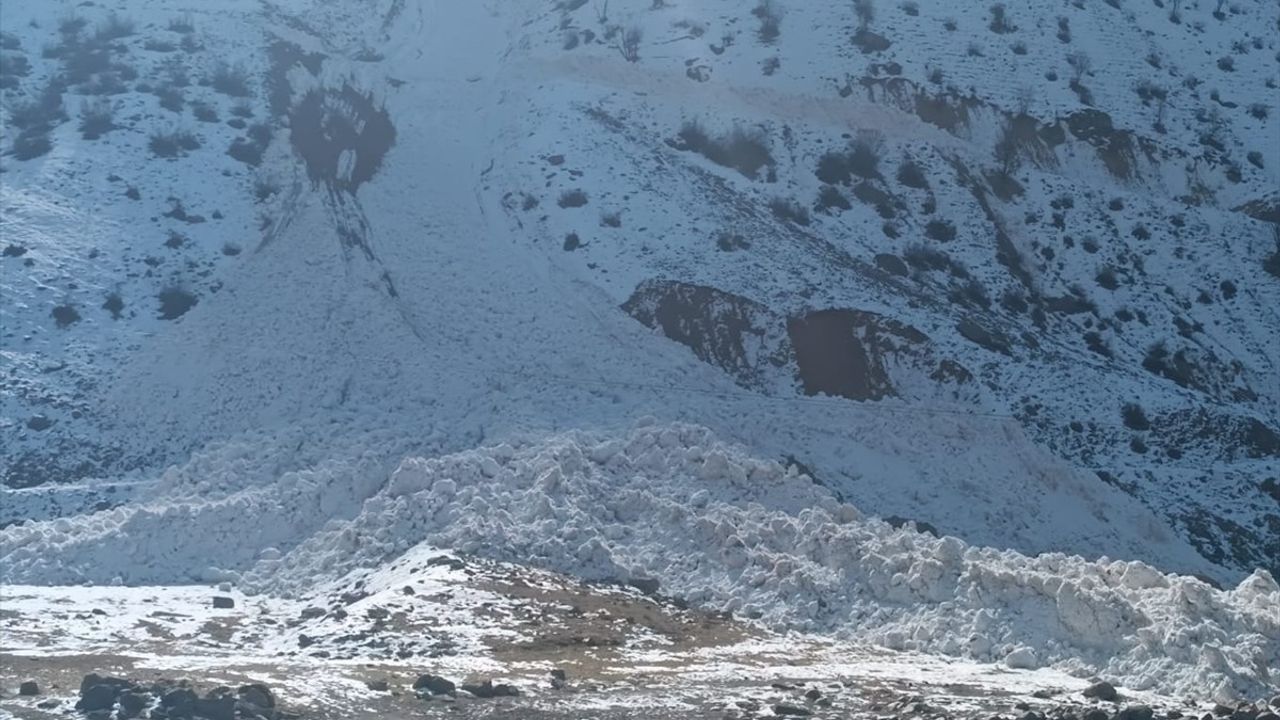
{"points": [[301, 422], [714, 526]]}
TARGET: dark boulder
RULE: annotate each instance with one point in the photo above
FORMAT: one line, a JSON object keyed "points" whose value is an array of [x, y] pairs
{"points": [[1135, 712], [132, 704], [434, 685], [791, 710], [257, 695], [29, 688], [488, 689], [223, 603], [1102, 690], [97, 697]]}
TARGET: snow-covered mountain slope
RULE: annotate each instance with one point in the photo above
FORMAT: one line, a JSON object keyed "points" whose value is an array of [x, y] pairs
{"points": [[1010, 274]]}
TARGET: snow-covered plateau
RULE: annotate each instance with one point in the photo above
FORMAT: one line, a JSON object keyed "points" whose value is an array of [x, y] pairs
{"points": [[705, 352]]}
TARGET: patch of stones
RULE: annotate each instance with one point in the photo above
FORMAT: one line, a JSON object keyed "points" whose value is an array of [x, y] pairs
{"points": [[112, 698]]}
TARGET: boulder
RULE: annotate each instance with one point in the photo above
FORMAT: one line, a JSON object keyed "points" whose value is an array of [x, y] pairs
{"points": [[488, 689], [132, 704], [1101, 690], [434, 685], [222, 602], [97, 697], [378, 685], [791, 710], [257, 695], [29, 688], [1135, 712]]}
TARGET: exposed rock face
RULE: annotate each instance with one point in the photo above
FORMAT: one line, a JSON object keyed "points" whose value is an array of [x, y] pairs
{"points": [[854, 354], [845, 353], [738, 335]]}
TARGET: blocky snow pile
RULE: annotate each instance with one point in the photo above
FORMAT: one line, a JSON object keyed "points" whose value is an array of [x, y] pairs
{"points": [[713, 526]]}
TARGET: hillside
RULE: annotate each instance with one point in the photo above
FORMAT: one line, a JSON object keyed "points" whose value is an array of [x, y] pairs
{"points": [[1001, 274]]}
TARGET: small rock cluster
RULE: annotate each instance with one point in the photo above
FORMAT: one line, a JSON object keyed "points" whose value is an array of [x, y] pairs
{"points": [[102, 698], [428, 686]]}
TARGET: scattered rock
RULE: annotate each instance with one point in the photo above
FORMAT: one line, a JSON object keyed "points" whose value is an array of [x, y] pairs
{"points": [[559, 680], [133, 703], [648, 586], [1275, 702], [29, 688], [1135, 712], [813, 694], [433, 684], [1102, 690], [257, 695], [48, 704], [97, 697], [222, 602], [378, 685], [1096, 714], [488, 689], [1221, 710], [791, 710]]}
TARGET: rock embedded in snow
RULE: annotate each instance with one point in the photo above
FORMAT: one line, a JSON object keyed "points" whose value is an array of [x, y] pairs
{"points": [[1135, 712], [433, 685], [28, 688], [1101, 690], [222, 602]]}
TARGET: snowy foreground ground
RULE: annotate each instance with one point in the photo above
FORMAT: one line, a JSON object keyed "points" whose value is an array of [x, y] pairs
{"points": [[624, 654], [787, 587]]}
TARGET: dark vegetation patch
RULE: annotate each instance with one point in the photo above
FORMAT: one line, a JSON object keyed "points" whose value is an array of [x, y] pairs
{"points": [[114, 304], [172, 144], [789, 210], [940, 230], [770, 16], [911, 175], [575, 198], [1135, 418], [175, 302], [839, 168], [830, 198], [250, 148], [743, 150], [65, 315], [97, 117], [232, 80], [325, 124]]}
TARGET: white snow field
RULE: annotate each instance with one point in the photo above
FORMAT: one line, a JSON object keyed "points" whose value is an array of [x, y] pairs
{"points": [[349, 279]]}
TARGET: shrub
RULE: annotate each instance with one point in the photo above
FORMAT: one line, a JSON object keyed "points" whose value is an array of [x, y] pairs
{"points": [[231, 80], [31, 144], [1107, 278], [940, 230], [742, 150], [611, 219], [172, 144], [114, 304], [171, 98], [789, 210], [838, 168], [572, 199], [910, 174], [182, 24], [65, 315], [96, 118], [114, 28], [175, 302], [830, 198], [770, 21], [629, 44], [204, 112], [865, 11], [1000, 23]]}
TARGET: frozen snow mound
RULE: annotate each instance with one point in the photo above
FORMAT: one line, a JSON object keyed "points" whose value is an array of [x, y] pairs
{"points": [[712, 525], [751, 536]]}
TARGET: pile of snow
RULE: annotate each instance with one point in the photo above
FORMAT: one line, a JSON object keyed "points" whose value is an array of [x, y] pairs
{"points": [[714, 526]]}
